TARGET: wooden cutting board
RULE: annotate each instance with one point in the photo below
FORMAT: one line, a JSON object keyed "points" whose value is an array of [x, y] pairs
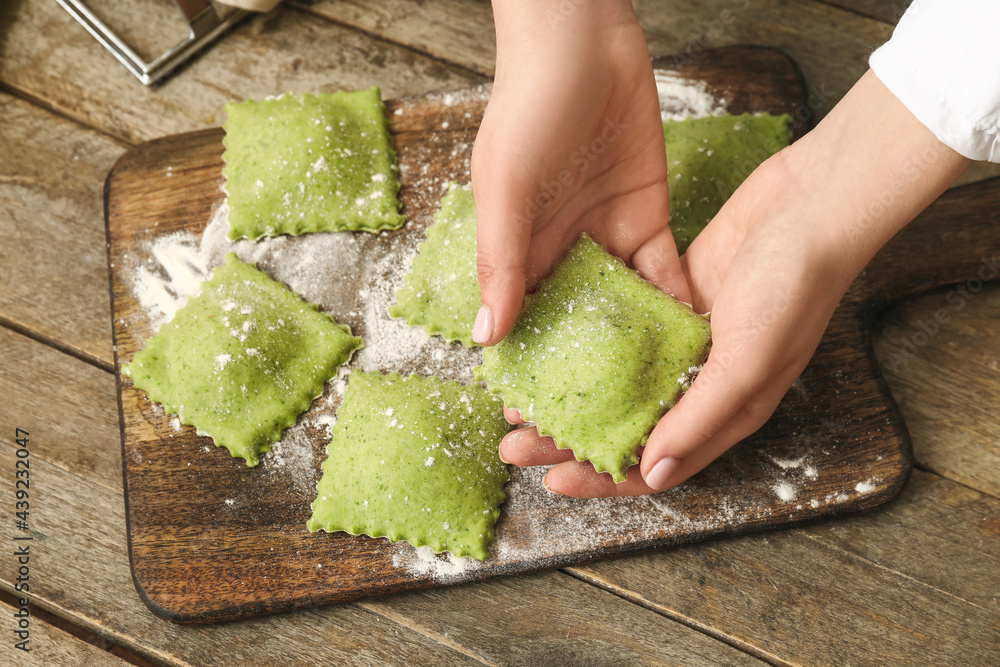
{"points": [[211, 540]]}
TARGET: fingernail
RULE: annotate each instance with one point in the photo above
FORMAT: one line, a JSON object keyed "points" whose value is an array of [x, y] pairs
{"points": [[500, 454], [545, 483], [661, 472], [482, 330]]}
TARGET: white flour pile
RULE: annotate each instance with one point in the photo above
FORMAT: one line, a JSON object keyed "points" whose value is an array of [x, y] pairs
{"points": [[422, 561], [682, 98]]}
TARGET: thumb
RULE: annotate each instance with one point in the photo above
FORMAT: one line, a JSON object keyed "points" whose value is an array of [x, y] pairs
{"points": [[732, 397], [501, 289], [503, 234], [500, 262], [657, 261]]}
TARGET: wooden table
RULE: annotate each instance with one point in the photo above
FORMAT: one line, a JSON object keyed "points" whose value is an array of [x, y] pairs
{"points": [[916, 582]]}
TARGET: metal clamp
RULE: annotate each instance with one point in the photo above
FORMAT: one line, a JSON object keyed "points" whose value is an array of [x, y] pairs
{"points": [[204, 24]]}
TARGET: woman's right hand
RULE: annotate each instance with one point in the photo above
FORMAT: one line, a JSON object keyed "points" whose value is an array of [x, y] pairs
{"points": [[571, 141]]}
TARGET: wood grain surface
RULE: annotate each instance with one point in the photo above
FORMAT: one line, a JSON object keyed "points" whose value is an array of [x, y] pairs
{"points": [[253, 555], [78, 110], [48, 645], [877, 579], [947, 383], [889, 11], [51, 204], [47, 55]]}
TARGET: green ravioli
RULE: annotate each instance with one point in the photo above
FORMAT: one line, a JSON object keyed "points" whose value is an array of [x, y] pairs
{"points": [[441, 293], [596, 357], [415, 459], [708, 158], [242, 359], [310, 163]]}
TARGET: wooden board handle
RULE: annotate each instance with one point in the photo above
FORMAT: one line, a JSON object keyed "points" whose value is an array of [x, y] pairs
{"points": [[954, 242]]}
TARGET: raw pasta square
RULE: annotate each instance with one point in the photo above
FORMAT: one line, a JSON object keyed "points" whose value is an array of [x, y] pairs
{"points": [[310, 163], [441, 293], [597, 356], [708, 158], [242, 359], [414, 458]]}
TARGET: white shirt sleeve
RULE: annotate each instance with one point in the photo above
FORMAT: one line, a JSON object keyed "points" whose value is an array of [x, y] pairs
{"points": [[943, 63]]}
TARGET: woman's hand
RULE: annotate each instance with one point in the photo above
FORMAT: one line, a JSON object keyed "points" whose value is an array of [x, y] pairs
{"points": [[571, 141], [772, 267]]}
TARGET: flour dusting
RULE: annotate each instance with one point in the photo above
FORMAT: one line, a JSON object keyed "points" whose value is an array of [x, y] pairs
{"points": [[173, 271], [682, 98], [866, 486], [442, 568], [785, 491], [786, 464]]}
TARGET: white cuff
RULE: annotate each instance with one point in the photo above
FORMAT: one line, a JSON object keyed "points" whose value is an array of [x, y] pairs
{"points": [[943, 63]]}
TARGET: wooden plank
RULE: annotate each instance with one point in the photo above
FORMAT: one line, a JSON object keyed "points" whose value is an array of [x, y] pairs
{"points": [[77, 632], [48, 56], [962, 217], [942, 534], [831, 594], [49, 646], [458, 31], [944, 373], [68, 406], [831, 45], [82, 574], [888, 11], [151, 28], [551, 618], [53, 263]]}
